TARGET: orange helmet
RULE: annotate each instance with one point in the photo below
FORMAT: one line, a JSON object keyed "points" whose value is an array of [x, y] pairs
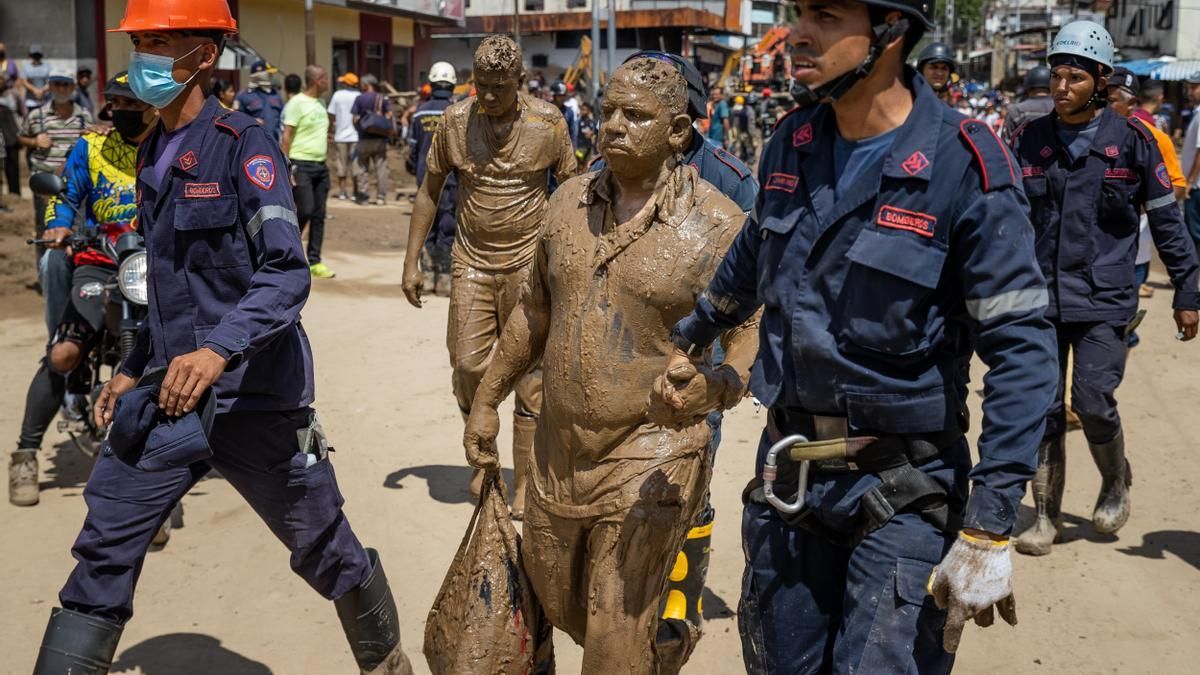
{"points": [[176, 15]]}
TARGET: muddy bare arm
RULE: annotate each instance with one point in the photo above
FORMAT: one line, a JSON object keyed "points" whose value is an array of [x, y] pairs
{"points": [[424, 212]]}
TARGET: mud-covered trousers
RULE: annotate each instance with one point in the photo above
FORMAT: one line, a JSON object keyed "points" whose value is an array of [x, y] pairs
{"points": [[258, 453], [809, 605], [1098, 351]]}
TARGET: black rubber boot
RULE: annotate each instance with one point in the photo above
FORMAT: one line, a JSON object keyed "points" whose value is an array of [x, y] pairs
{"points": [[1112, 506], [372, 625], [1047, 498], [682, 615], [78, 644]]}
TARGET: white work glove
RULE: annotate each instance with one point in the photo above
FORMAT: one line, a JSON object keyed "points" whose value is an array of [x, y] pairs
{"points": [[973, 577]]}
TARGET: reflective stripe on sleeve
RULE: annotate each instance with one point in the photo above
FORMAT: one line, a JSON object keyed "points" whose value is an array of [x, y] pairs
{"points": [[268, 212], [1159, 202], [1024, 300]]}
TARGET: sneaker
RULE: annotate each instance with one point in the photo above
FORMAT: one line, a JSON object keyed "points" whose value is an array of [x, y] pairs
{"points": [[321, 271], [343, 196], [1145, 291], [23, 478], [380, 201]]}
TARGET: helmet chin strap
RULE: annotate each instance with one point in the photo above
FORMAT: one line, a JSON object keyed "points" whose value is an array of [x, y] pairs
{"points": [[834, 89]]}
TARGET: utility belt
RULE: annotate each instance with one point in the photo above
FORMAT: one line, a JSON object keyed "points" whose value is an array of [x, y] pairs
{"points": [[894, 459]]}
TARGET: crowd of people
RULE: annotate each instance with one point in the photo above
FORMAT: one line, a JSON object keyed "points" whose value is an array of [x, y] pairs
{"points": [[887, 241]]}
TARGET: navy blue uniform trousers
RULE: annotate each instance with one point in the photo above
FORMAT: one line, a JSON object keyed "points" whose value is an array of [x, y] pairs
{"points": [[259, 454], [1098, 351], [809, 605]]}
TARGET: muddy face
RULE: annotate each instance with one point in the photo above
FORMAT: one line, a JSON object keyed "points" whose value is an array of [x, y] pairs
{"points": [[496, 91], [638, 128]]}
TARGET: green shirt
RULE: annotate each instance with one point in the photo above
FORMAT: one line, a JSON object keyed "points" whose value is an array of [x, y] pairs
{"points": [[311, 123]]}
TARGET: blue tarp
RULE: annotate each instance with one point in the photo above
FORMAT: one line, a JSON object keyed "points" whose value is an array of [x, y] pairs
{"points": [[1158, 69]]}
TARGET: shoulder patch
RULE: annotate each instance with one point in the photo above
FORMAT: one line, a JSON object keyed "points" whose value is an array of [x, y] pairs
{"points": [[260, 169], [995, 163]]}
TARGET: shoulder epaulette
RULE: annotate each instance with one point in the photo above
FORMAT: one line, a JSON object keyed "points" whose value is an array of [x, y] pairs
{"points": [[730, 161], [995, 162], [1140, 125], [234, 122]]}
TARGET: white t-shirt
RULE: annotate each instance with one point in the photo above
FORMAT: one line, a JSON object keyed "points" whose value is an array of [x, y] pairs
{"points": [[339, 106], [1191, 143]]}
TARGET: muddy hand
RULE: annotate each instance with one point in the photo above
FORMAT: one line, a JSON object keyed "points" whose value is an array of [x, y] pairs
{"points": [[412, 286], [1186, 320], [106, 402], [187, 378], [479, 438], [684, 395], [973, 578]]}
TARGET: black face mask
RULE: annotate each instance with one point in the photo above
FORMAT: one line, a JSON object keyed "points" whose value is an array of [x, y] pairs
{"points": [[129, 123], [3, 55]]}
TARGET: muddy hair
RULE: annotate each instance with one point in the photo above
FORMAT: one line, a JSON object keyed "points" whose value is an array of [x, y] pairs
{"points": [[663, 79], [498, 54]]}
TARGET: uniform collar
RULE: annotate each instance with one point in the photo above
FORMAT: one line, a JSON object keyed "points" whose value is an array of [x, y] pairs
{"points": [[913, 152]]}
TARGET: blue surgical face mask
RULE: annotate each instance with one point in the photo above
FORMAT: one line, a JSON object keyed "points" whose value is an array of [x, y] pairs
{"points": [[151, 78]]}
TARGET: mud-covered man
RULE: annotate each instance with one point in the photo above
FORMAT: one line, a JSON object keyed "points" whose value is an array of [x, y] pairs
{"points": [[503, 146], [616, 481]]}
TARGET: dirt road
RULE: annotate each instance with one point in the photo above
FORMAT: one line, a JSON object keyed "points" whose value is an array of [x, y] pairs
{"points": [[221, 599]]}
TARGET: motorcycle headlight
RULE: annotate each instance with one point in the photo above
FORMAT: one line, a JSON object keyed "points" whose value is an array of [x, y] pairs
{"points": [[131, 278]]}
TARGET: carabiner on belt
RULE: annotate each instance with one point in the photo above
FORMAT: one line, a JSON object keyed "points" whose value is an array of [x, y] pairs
{"points": [[771, 471]]}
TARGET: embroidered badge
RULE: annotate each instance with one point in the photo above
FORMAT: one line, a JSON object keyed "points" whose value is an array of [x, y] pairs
{"points": [[1031, 171], [782, 181], [915, 164], [188, 161], [1112, 151], [1120, 174], [1046, 152], [902, 219], [261, 171], [802, 136], [1162, 175], [201, 190]]}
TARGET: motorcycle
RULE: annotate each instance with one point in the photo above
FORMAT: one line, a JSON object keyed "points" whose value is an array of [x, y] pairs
{"points": [[124, 312]]}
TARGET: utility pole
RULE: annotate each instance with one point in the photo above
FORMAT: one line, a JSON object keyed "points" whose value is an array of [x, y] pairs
{"points": [[595, 60], [517, 22], [612, 36], [310, 34]]}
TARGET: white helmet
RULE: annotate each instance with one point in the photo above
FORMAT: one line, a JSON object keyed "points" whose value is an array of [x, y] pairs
{"points": [[1086, 39], [443, 72]]}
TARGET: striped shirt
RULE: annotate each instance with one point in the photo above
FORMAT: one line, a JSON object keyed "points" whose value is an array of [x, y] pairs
{"points": [[63, 135]]}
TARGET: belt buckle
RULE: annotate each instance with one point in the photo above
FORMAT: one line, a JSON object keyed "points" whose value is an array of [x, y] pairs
{"points": [[771, 471]]}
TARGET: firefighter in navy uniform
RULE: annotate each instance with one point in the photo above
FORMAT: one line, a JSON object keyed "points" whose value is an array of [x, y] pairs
{"points": [[937, 65], [435, 259], [226, 279], [889, 227], [1088, 174]]}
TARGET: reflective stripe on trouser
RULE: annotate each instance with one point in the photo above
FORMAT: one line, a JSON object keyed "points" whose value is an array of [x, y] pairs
{"points": [[480, 304], [258, 453], [811, 606], [1098, 353]]}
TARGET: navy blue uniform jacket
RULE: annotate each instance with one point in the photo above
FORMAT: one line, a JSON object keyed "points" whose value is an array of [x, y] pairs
{"points": [[870, 303]]}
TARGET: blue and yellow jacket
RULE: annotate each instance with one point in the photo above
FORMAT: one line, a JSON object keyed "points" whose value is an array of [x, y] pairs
{"points": [[99, 174]]}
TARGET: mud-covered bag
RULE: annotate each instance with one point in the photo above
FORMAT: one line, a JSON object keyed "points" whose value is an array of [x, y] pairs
{"points": [[486, 619]]}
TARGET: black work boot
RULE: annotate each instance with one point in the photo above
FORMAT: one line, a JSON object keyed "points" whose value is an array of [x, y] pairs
{"points": [[372, 625], [1112, 506], [77, 643], [1047, 498]]}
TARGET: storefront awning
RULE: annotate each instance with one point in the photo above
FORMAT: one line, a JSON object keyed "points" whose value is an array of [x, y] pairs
{"points": [[1166, 69]]}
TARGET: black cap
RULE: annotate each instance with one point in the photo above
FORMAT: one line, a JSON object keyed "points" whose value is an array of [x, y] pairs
{"points": [[118, 85], [1124, 79], [936, 52], [559, 88], [697, 96], [1038, 77]]}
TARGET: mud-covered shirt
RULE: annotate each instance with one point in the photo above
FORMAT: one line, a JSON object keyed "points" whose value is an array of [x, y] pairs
{"points": [[503, 183]]}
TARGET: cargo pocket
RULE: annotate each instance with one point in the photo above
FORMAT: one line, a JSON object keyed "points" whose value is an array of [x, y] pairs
{"points": [[207, 233], [905, 616], [775, 230], [314, 503], [1117, 211], [885, 300]]}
